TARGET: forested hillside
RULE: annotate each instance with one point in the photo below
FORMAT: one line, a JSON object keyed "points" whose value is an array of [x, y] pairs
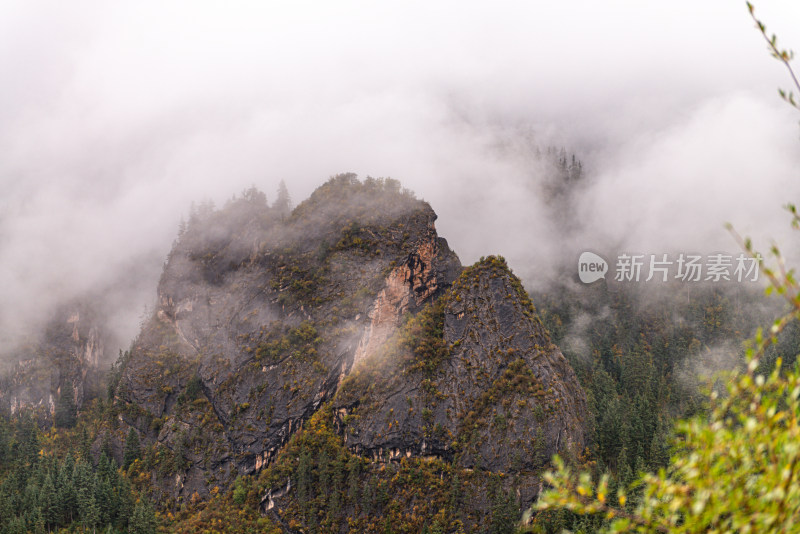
{"points": [[334, 368]]}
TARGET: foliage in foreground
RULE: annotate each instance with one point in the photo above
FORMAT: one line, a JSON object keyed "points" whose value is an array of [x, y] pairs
{"points": [[736, 469]]}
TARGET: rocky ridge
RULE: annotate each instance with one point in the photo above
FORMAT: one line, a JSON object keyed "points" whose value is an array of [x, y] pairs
{"points": [[351, 308], [70, 348]]}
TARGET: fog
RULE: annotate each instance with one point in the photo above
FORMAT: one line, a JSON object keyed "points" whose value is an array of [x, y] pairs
{"points": [[115, 117]]}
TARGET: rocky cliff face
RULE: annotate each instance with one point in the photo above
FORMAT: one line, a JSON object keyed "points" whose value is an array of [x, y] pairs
{"points": [[473, 378], [353, 308], [70, 347]]}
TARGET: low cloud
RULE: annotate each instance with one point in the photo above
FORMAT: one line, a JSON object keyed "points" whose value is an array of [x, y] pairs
{"points": [[113, 119]]}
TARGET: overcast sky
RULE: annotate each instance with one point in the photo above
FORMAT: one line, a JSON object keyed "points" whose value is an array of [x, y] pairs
{"points": [[115, 116]]}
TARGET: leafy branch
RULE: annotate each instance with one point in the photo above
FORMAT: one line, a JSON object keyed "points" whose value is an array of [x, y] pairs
{"points": [[782, 55]]}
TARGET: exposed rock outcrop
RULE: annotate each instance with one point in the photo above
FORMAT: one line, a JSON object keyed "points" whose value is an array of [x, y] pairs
{"points": [[496, 394], [70, 347], [353, 304], [407, 287], [261, 318]]}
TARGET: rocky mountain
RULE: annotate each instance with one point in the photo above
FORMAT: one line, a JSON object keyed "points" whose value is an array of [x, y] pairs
{"points": [[344, 333], [69, 348]]}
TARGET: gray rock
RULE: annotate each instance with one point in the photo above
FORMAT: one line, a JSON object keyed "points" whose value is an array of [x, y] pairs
{"points": [[262, 319]]}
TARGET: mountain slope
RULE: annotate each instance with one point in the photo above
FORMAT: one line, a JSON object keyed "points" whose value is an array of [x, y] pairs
{"points": [[353, 311]]}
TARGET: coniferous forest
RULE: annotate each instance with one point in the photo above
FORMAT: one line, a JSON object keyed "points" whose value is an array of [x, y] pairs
{"points": [[112, 468]]}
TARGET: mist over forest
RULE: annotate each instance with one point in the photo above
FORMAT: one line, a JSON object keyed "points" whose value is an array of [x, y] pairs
{"points": [[124, 116]]}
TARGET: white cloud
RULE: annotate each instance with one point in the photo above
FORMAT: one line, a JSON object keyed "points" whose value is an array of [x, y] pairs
{"points": [[114, 117]]}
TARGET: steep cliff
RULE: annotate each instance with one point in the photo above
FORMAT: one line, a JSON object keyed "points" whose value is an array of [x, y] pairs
{"points": [[473, 378], [350, 311], [260, 317], [70, 347]]}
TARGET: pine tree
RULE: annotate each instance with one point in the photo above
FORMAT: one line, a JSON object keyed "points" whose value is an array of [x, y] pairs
{"points": [[27, 438], [84, 481], [105, 471], [35, 521], [179, 460], [637, 370], [107, 450], [505, 513], [254, 196], [368, 497], [85, 446], [143, 520], [6, 505], [610, 431], [132, 449], [353, 480], [323, 474], [48, 502], [659, 449], [304, 483], [5, 441], [88, 509], [338, 472], [624, 472], [30, 498], [125, 503], [65, 486], [18, 526], [66, 412], [455, 493], [283, 204]]}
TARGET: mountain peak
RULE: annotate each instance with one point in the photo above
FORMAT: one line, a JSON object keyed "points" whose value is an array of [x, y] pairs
{"points": [[354, 304]]}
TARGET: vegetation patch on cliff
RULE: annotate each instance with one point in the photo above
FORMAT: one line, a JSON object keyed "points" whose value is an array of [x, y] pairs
{"points": [[418, 346]]}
